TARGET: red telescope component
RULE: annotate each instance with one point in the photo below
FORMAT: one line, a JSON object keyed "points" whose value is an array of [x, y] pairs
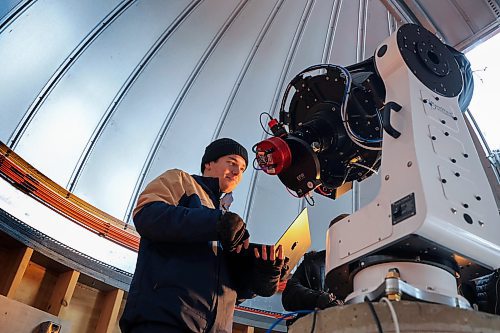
{"points": [[273, 155]]}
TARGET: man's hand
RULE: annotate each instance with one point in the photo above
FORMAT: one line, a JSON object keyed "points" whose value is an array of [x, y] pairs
{"points": [[267, 270], [326, 300], [232, 232], [272, 254], [282, 260]]}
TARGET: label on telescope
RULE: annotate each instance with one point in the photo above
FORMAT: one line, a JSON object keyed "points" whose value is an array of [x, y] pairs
{"points": [[403, 209]]}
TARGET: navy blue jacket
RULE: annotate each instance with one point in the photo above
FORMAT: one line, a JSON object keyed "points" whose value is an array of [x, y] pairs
{"points": [[306, 284], [183, 279]]}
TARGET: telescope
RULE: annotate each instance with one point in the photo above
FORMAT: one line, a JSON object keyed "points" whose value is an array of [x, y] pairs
{"points": [[434, 222]]}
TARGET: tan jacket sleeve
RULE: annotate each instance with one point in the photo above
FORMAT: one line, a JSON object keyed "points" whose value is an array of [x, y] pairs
{"points": [[169, 187]]}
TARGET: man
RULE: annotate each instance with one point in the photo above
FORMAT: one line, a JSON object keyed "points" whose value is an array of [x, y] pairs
{"points": [[465, 96], [190, 268], [306, 289]]}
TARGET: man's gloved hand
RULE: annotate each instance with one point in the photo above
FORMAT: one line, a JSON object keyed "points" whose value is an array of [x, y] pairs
{"points": [[267, 270], [231, 231], [326, 300]]}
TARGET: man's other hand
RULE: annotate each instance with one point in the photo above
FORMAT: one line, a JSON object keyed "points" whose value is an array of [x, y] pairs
{"points": [[267, 270], [326, 300], [272, 254], [232, 233]]}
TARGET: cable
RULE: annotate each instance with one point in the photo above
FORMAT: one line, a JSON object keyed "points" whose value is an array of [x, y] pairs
{"points": [[260, 121], [496, 292], [357, 139], [254, 148], [290, 191], [346, 175], [375, 317], [357, 136], [393, 313], [311, 203], [322, 192], [255, 167], [345, 118], [310, 69], [286, 316], [314, 321], [365, 167]]}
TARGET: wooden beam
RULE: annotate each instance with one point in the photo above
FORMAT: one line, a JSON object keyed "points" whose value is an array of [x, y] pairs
{"points": [[250, 329], [241, 328], [15, 270], [109, 312], [63, 291]]}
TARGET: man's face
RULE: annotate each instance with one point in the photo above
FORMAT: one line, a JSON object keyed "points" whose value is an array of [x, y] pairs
{"points": [[229, 169]]}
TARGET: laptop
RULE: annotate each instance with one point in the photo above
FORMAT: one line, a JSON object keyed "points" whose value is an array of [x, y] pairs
{"points": [[295, 241]]}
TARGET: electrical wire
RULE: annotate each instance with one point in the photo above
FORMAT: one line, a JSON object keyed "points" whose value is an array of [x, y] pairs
{"points": [[496, 292], [393, 313], [254, 148], [310, 69], [322, 192], [287, 316], [346, 175], [345, 118], [260, 121], [296, 78], [365, 167], [312, 202], [255, 167], [290, 191], [357, 139], [314, 321], [375, 317]]}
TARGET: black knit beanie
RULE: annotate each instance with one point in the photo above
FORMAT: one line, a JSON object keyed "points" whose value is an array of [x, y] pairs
{"points": [[222, 147]]}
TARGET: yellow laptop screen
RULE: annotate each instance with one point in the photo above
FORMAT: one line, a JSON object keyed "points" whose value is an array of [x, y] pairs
{"points": [[296, 240]]}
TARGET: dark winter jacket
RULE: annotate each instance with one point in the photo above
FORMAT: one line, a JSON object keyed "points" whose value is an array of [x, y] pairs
{"points": [[486, 292], [465, 96], [182, 277], [307, 284]]}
